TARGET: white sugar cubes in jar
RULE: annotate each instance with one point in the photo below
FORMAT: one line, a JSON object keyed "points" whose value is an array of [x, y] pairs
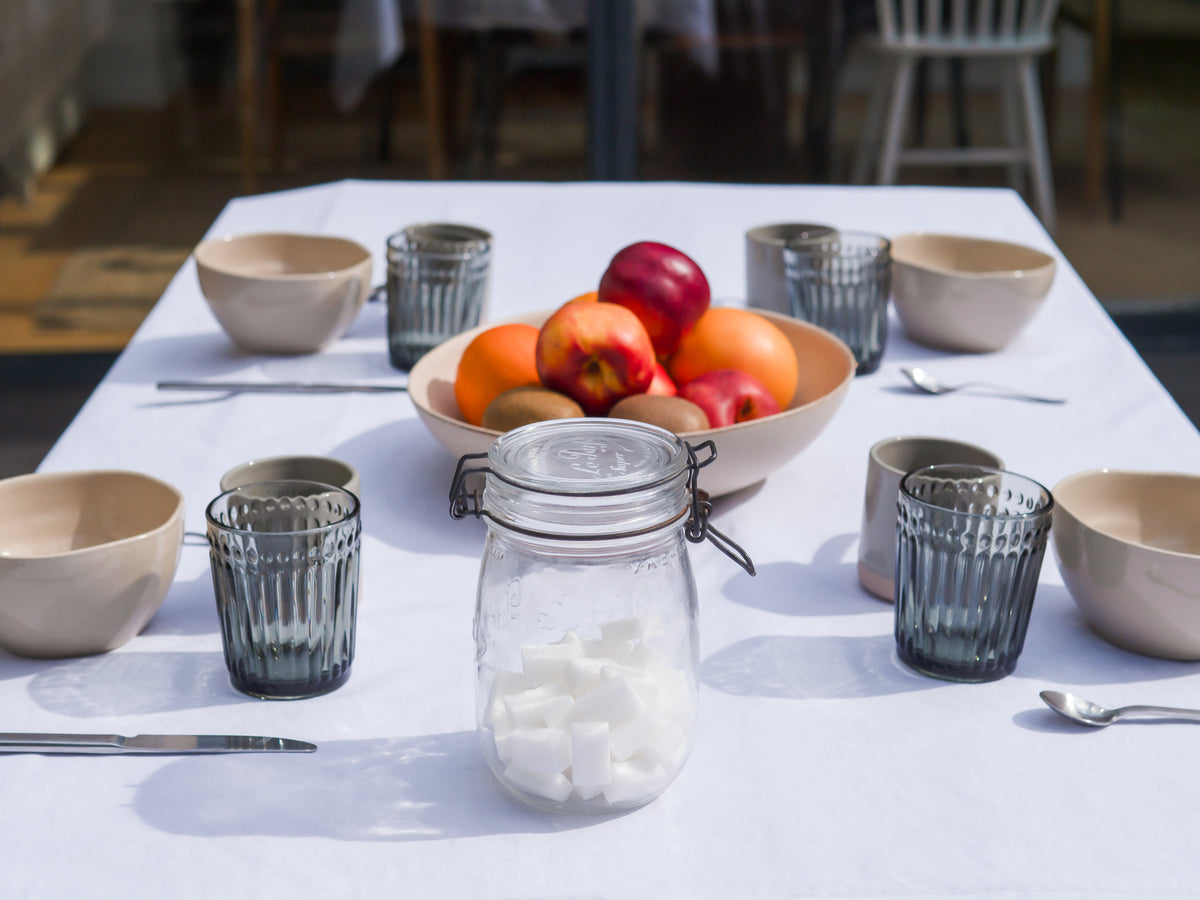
{"points": [[585, 618]]}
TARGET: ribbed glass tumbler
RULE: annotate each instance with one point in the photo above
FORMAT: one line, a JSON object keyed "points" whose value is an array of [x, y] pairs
{"points": [[842, 285], [970, 546], [285, 558], [437, 277]]}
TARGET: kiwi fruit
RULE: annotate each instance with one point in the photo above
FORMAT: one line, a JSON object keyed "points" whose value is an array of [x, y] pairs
{"points": [[524, 405], [672, 413]]}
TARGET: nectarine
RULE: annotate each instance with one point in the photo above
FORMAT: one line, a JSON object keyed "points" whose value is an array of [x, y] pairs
{"points": [[662, 286], [595, 353]]}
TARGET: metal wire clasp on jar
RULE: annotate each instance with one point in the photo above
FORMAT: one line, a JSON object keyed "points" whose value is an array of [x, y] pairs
{"points": [[586, 616]]}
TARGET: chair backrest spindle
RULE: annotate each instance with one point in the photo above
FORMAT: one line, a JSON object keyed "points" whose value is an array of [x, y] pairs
{"points": [[933, 18], [962, 22], [958, 20], [1007, 26], [909, 26], [983, 19]]}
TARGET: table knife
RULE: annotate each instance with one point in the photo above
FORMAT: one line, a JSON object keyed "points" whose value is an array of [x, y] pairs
{"points": [[149, 743], [279, 387]]}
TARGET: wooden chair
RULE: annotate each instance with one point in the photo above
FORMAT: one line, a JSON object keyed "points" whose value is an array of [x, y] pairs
{"points": [[1012, 33]]}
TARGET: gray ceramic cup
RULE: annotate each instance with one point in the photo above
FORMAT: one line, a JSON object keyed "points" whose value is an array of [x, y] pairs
{"points": [[324, 469], [888, 462], [766, 287]]}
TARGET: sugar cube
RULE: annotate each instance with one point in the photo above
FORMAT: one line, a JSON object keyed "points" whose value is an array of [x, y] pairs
{"points": [[554, 786], [545, 663], [674, 698], [669, 748], [618, 637], [582, 674], [648, 659], [502, 748], [634, 779], [590, 761], [546, 750], [548, 704], [496, 714], [613, 701], [588, 791], [640, 731]]}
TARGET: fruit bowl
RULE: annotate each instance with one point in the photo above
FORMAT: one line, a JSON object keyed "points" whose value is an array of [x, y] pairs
{"points": [[746, 453]]}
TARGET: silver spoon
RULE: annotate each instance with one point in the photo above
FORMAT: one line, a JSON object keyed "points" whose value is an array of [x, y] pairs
{"points": [[923, 381], [1087, 713]]}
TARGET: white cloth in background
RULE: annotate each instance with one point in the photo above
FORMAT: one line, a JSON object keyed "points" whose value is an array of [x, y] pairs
{"points": [[370, 39], [370, 34]]}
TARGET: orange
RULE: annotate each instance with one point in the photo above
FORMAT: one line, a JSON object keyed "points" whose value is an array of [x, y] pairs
{"points": [[732, 338], [589, 297], [498, 359]]}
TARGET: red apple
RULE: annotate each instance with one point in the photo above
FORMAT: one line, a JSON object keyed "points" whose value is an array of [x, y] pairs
{"points": [[662, 383], [596, 354], [663, 287], [728, 396]]}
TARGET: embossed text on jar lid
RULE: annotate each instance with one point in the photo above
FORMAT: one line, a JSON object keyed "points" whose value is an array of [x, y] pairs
{"points": [[587, 456]]}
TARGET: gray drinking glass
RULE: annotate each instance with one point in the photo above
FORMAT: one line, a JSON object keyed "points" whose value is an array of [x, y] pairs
{"points": [[285, 558], [437, 280], [842, 285], [970, 546]]}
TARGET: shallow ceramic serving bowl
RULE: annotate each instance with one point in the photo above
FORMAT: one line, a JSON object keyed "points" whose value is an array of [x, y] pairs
{"points": [[1128, 547], [86, 559], [294, 468], [283, 293], [966, 294], [746, 453]]}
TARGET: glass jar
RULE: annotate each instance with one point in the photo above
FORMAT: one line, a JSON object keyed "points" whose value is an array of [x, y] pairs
{"points": [[586, 614]]}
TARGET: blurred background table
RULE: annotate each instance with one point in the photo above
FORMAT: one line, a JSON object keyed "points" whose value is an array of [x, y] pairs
{"points": [[609, 39]]}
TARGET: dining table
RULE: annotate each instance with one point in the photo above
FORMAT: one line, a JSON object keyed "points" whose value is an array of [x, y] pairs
{"points": [[822, 765]]}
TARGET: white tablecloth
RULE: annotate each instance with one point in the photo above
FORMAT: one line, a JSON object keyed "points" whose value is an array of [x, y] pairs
{"points": [[823, 767]]}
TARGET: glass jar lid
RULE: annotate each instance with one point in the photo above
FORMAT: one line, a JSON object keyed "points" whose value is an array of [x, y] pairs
{"points": [[587, 478], [590, 479], [587, 456]]}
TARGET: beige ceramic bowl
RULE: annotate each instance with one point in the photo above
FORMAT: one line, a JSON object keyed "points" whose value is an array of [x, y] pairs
{"points": [[284, 293], [1128, 547], [294, 468], [746, 453], [86, 559], [966, 294]]}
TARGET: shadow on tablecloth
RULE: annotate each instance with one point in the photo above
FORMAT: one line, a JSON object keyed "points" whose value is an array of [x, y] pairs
{"points": [[425, 788], [129, 683]]}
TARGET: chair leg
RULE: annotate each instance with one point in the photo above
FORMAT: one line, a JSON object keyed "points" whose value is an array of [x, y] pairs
{"points": [[920, 104], [432, 100], [1039, 151], [868, 141], [958, 101], [273, 111], [1010, 99], [902, 84]]}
